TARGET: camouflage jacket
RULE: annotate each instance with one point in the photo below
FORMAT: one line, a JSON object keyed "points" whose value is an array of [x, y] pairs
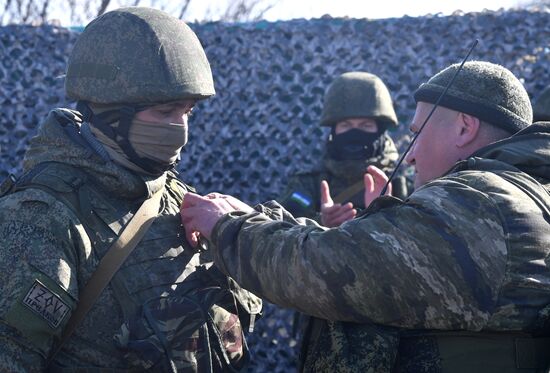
{"points": [[166, 309], [466, 252], [302, 194]]}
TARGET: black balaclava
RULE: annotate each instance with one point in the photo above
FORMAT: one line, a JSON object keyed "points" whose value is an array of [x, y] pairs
{"points": [[355, 144]]}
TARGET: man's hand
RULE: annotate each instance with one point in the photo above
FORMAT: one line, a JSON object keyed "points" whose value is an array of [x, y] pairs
{"points": [[332, 215], [374, 180], [200, 214]]}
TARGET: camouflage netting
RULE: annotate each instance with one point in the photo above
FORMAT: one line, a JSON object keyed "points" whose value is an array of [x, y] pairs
{"points": [[270, 79]]}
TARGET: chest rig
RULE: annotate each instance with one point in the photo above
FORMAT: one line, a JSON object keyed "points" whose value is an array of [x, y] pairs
{"points": [[181, 314]]}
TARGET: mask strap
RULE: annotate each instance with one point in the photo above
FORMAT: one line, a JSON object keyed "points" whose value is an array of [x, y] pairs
{"points": [[125, 115]]}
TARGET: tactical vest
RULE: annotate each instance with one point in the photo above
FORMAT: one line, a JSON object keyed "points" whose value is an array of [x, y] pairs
{"points": [[483, 352], [193, 324]]}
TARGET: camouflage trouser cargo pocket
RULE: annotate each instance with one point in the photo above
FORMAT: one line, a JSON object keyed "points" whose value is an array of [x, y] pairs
{"points": [[194, 332]]}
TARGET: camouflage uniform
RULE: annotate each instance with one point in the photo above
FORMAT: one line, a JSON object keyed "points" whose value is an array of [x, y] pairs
{"points": [[355, 94], [354, 347], [462, 260], [45, 246], [167, 308]]}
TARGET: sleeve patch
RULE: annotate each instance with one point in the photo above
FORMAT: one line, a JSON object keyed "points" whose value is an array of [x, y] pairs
{"points": [[46, 304], [300, 199]]}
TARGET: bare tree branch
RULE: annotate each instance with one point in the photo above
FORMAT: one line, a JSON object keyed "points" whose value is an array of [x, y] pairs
{"points": [[27, 12], [244, 10], [88, 12], [184, 8], [6, 7], [44, 11], [19, 4], [83, 11], [102, 7], [260, 15]]}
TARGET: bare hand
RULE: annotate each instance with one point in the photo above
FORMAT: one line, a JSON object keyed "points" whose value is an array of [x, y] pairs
{"points": [[200, 214], [237, 204], [332, 215], [374, 180]]}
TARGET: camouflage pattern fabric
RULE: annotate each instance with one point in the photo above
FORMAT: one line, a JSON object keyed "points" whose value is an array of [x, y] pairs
{"points": [[467, 251], [166, 309], [350, 347], [359, 346], [145, 53], [302, 195]]}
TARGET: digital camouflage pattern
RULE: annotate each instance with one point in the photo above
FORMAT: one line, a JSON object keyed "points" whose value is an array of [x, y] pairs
{"points": [[153, 58], [349, 347], [166, 309], [364, 347], [302, 196], [467, 251]]}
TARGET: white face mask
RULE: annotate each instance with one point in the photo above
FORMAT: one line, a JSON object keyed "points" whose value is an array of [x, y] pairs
{"points": [[156, 141]]}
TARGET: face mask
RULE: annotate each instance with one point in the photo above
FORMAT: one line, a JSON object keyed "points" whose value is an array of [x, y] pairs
{"points": [[160, 143], [354, 145]]}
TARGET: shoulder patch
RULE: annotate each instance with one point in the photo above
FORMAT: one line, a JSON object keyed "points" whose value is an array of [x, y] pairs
{"points": [[46, 304], [301, 199]]}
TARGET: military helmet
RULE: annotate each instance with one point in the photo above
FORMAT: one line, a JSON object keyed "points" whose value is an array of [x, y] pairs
{"points": [[138, 55], [358, 94], [541, 107]]}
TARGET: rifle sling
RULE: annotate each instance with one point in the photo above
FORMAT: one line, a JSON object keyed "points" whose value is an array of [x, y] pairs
{"points": [[349, 192], [110, 263]]}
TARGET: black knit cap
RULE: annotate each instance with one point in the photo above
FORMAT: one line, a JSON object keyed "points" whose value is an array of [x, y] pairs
{"points": [[485, 90]]}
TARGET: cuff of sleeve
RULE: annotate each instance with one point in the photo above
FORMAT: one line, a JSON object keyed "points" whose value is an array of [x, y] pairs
{"points": [[274, 211], [225, 233]]}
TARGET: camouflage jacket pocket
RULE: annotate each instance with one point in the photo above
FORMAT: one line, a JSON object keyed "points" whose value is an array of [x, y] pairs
{"points": [[195, 332]]}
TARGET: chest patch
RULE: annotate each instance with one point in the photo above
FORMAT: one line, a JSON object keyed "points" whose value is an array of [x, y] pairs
{"points": [[46, 304]]}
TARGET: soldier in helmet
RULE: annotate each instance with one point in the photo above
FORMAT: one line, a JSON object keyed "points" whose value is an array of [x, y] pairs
{"points": [[541, 107], [359, 111], [89, 174]]}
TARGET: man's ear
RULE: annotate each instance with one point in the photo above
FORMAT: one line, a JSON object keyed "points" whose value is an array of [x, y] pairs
{"points": [[467, 129]]}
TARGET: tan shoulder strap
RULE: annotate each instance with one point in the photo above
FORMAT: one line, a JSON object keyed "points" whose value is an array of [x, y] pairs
{"points": [[110, 263], [349, 192]]}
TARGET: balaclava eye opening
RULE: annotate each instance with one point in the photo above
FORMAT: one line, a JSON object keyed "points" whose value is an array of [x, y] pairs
{"points": [[355, 144]]}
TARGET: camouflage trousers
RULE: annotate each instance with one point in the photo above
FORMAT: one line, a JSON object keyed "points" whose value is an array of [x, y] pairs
{"points": [[348, 347]]}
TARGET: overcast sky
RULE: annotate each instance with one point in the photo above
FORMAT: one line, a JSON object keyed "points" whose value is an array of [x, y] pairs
{"points": [[289, 9], [200, 10]]}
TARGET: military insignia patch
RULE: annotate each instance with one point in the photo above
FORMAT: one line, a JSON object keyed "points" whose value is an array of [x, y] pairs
{"points": [[46, 304], [300, 199]]}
